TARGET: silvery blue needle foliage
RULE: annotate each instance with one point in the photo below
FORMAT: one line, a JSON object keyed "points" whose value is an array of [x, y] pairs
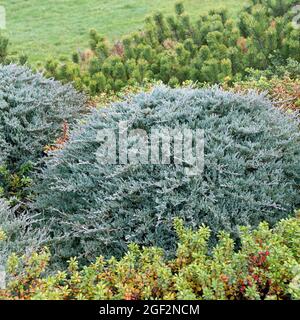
{"points": [[17, 234], [32, 111], [251, 174]]}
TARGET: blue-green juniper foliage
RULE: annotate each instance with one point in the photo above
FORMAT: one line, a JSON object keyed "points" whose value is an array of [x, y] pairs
{"points": [[32, 111], [251, 174]]}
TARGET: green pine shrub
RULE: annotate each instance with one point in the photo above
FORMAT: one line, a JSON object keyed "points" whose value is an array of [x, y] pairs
{"points": [[266, 267], [17, 234], [3, 48], [32, 112], [213, 49], [7, 57], [251, 174]]}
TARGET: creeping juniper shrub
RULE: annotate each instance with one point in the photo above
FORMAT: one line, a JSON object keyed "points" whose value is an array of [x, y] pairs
{"points": [[17, 234], [251, 174], [32, 112]]}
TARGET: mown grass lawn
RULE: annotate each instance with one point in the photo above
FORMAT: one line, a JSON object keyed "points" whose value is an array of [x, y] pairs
{"points": [[41, 28]]}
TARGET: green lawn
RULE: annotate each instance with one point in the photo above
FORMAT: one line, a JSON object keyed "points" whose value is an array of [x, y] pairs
{"points": [[41, 28]]}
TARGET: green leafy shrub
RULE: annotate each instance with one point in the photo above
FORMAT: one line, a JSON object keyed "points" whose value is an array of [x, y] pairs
{"points": [[275, 69], [251, 173], [32, 112], [213, 49], [266, 267], [13, 186], [17, 234]]}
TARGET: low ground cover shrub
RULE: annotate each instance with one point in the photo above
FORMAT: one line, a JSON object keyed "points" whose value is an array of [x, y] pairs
{"points": [[284, 92], [267, 267], [32, 112], [17, 234], [251, 173]]}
